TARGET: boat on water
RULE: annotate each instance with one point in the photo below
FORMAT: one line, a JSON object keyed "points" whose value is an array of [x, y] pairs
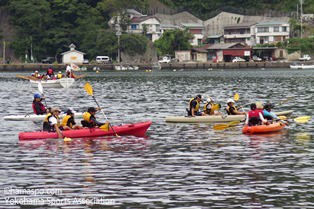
{"points": [[120, 67], [33, 117], [136, 129], [261, 129], [303, 66], [58, 83], [213, 118]]}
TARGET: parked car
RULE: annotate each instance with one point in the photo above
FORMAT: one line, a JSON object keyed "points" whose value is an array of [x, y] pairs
{"points": [[305, 57], [238, 59], [256, 58], [48, 60], [165, 59], [103, 60], [85, 61]]}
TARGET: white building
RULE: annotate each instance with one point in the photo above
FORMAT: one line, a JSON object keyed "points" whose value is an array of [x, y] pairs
{"points": [[240, 33], [271, 32], [73, 56], [148, 24], [197, 30]]}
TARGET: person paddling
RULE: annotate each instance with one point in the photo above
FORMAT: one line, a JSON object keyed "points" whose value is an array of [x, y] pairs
{"points": [[232, 109], [194, 106], [53, 123], [38, 107], [90, 118], [59, 75], [210, 108], [255, 116], [69, 121], [50, 73], [268, 114]]}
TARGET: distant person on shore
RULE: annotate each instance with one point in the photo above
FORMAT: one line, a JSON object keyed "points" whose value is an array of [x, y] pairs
{"points": [[210, 108], [38, 107], [232, 109], [194, 106], [50, 73]]}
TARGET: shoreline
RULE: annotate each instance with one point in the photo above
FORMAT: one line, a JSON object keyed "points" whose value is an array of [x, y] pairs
{"points": [[171, 66]]}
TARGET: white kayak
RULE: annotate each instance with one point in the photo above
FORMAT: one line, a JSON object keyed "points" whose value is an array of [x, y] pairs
{"points": [[33, 117], [213, 118], [58, 83]]}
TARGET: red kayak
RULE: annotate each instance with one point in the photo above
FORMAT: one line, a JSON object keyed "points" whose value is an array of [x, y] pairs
{"points": [[137, 129], [263, 128]]}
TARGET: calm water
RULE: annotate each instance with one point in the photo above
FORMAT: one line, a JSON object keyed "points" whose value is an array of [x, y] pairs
{"points": [[177, 165]]}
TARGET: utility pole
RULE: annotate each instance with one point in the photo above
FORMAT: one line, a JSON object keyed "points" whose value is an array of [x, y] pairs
{"points": [[4, 52], [301, 14], [118, 34]]}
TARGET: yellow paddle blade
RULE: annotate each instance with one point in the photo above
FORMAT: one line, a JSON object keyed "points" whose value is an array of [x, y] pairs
{"points": [[234, 122], [67, 139], [236, 97], [105, 127], [221, 126], [282, 117], [302, 119], [89, 89]]}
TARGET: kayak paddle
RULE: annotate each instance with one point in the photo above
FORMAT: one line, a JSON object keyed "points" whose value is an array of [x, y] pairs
{"points": [[89, 90], [225, 126], [41, 90], [300, 119]]}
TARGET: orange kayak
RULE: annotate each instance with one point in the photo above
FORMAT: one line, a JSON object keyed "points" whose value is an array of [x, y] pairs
{"points": [[263, 128]]}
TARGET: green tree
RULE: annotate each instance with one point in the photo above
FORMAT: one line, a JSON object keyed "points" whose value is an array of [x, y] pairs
{"points": [[133, 43], [172, 40]]}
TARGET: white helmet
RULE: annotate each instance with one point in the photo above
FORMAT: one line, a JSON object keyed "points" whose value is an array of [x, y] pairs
{"points": [[230, 100], [209, 100]]}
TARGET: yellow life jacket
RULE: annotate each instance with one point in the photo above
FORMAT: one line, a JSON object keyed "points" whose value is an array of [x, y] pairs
{"points": [[211, 111], [228, 109], [197, 104], [86, 116], [59, 75], [65, 121], [47, 117]]}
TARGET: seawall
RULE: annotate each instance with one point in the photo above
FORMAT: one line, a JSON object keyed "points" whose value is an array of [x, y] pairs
{"points": [[177, 65]]}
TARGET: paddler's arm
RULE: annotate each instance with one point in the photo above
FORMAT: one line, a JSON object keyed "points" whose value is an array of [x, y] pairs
{"points": [[262, 118], [247, 119], [192, 112], [60, 135]]}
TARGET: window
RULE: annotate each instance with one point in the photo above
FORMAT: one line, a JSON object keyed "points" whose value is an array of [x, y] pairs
{"points": [[199, 42], [276, 29], [263, 29], [134, 26], [284, 29]]}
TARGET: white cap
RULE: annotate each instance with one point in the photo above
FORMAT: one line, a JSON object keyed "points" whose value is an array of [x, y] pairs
{"points": [[230, 100], [209, 100], [36, 71], [59, 71]]}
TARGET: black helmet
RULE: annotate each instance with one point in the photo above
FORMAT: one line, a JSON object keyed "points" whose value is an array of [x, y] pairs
{"points": [[253, 106], [91, 109], [269, 106]]}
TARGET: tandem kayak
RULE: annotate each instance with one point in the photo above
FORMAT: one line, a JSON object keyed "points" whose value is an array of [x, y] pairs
{"points": [[213, 118], [137, 129], [33, 117], [261, 129]]}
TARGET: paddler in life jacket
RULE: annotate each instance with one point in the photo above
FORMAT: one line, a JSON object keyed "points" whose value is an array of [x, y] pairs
{"points": [[194, 106], [232, 109], [50, 73], [68, 120], [90, 119], [268, 114], [52, 122], [59, 75], [211, 108], [37, 75], [255, 116], [38, 107]]}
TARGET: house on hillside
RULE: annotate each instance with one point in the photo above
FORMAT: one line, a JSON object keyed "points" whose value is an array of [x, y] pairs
{"points": [[215, 39], [271, 32], [145, 24], [225, 52], [199, 54], [197, 30], [72, 56], [166, 27], [240, 33], [183, 55]]}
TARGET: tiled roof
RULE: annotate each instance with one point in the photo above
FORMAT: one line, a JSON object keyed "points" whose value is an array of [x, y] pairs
{"points": [[141, 19], [200, 50], [270, 23], [241, 25], [223, 45], [192, 25]]}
